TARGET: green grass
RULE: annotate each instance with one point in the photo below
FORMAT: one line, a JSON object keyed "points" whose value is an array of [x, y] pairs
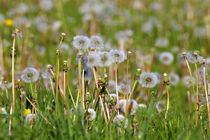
{"points": [[180, 121]]}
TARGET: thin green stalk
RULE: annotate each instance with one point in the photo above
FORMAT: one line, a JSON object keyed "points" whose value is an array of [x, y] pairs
{"points": [[57, 73], [191, 78], [79, 76]]}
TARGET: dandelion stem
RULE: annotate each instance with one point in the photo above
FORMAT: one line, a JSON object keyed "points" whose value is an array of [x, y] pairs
{"points": [[72, 99], [206, 92], [116, 88], [64, 92], [191, 78], [166, 83], [13, 81], [79, 76], [197, 91], [57, 74]]}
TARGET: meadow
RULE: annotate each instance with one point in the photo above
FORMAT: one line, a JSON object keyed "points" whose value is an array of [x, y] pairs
{"points": [[104, 69]]}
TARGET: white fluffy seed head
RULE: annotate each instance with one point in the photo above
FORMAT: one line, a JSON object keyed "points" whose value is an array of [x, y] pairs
{"points": [[93, 59], [29, 75], [28, 118], [105, 59], [91, 114], [173, 78], [166, 58], [119, 120], [148, 80], [96, 42], [117, 56], [81, 42]]}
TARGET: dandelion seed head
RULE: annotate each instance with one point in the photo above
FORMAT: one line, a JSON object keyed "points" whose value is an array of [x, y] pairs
{"points": [[160, 106], [93, 59], [117, 56], [123, 88], [29, 75], [142, 106], [111, 86], [46, 74], [162, 42], [166, 58], [119, 120], [96, 42], [173, 78], [148, 80], [3, 111], [64, 47], [28, 118], [46, 5], [193, 57], [91, 114], [105, 59], [187, 80], [81, 42]]}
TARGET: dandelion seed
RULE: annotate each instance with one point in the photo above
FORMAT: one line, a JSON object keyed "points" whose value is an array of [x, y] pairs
{"points": [[119, 120], [122, 105], [105, 59], [160, 106], [46, 5], [29, 75], [161, 42], [3, 111], [96, 42], [117, 56], [187, 81], [64, 47], [112, 86], [142, 106], [28, 118], [81, 42], [113, 96], [148, 80], [5, 85], [93, 59], [199, 32], [21, 8], [123, 36], [134, 107], [193, 57], [56, 25], [46, 74], [166, 58], [201, 76], [2, 18], [173, 78], [123, 88], [91, 114]]}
